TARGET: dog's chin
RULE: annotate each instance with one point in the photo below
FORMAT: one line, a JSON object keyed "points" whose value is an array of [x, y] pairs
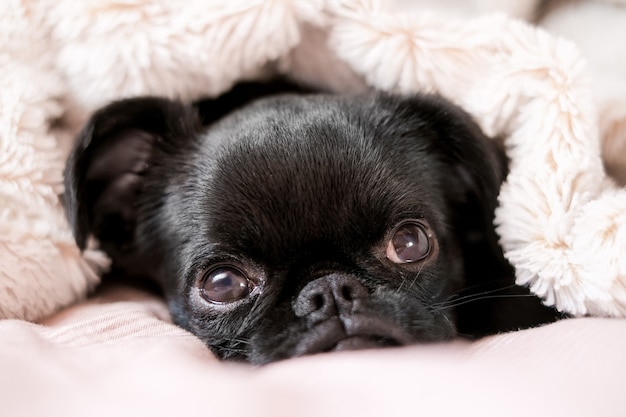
{"points": [[353, 332]]}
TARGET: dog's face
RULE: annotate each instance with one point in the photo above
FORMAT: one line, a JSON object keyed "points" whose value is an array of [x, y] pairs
{"points": [[296, 224]]}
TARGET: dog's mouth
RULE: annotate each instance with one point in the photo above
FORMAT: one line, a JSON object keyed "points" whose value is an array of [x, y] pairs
{"points": [[363, 342], [353, 332]]}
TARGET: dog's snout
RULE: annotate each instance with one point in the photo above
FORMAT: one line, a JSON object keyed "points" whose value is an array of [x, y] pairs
{"points": [[329, 296]]}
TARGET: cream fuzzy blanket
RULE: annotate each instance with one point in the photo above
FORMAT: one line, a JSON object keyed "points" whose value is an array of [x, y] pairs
{"points": [[561, 218]]}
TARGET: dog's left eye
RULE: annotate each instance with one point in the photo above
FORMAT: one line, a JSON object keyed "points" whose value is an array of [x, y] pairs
{"points": [[411, 242], [224, 285]]}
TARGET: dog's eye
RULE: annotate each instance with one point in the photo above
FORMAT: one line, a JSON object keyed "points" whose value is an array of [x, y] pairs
{"points": [[224, 285], [410, 243]]}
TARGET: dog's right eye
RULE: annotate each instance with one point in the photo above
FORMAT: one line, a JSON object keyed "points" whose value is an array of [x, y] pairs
{"points": [[411, 242], [224, 285]]}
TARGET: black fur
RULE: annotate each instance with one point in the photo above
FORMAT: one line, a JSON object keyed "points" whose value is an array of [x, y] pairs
{"points": [[301, 193]]}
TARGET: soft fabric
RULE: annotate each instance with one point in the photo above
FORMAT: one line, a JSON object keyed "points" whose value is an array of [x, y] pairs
{"points": [[562, 220], [116, 356]]}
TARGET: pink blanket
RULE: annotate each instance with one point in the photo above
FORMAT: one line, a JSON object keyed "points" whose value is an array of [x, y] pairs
{"points": [[118, 354]]}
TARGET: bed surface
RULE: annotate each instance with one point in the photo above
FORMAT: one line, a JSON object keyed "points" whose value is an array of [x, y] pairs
{"points": [[118, 354]]}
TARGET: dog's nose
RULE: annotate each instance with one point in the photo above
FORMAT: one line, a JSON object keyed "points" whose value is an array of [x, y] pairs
{"points": [[329, 296]]}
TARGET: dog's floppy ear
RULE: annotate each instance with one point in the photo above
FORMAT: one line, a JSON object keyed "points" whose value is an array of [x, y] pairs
{"points": [[106, 170], [478, 167], [476, 170]]}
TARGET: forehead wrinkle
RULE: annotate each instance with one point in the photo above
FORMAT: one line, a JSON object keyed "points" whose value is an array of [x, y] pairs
{"points": [[281, 179], [330, 193]]}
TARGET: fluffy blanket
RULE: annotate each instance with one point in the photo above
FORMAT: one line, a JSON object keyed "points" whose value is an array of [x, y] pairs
{"points": [[562, 219]]}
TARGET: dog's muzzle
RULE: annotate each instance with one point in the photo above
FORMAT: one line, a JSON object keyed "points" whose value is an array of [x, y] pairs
{"points": [[331, 306]]}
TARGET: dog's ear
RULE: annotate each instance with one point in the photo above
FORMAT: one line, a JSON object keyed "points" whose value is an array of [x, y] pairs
{"points": [[476, 168], [477, 171], [106, 170]]}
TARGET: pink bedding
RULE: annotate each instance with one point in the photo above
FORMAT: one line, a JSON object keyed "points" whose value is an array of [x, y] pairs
{"points": [[117, 354]]}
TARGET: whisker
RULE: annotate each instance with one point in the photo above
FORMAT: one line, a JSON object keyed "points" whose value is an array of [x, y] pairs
{"points": [[401, 284], [485, 284], [232, 350], [419, 271], [456, 299], [438, 308], [239, 341]]}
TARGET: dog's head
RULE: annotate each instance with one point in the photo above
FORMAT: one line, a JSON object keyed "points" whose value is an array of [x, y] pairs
{"points": [[296, 224]]}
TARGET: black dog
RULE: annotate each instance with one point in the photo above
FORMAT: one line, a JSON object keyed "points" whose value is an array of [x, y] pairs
{"points": [[301, 223]]}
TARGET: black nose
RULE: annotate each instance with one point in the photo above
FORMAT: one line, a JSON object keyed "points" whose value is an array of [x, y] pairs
{"points": [[329, 296]]}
